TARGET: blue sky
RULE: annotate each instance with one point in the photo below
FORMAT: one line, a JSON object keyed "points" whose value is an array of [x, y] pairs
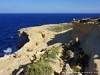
{"points": [[49, 6]]}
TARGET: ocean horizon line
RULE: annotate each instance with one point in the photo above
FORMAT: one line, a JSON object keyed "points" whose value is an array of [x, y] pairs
{"points": [[49, 13]]}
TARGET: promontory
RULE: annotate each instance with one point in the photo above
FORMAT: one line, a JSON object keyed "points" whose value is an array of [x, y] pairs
{"points": [[56, 49]]}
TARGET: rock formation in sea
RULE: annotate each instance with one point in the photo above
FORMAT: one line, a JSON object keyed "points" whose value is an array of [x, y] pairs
{"points": [[56, 49]]}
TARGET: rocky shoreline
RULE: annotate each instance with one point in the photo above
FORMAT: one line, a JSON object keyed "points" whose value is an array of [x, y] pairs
{"points": [[67, 48]]}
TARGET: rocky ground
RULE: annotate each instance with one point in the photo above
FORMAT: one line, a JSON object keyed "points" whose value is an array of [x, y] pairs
{"points": [[31, 41]]}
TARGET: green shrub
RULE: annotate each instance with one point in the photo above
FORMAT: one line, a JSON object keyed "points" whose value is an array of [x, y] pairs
{"points": [[42, 67], [76, 68], [39, 68], [50, 54], [68, 53]]}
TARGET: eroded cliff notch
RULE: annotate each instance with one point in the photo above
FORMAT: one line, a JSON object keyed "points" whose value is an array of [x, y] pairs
{"points": [[23, 38]]}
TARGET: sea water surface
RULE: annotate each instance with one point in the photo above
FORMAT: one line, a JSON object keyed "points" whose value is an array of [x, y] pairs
{"points": [[11, 23]]}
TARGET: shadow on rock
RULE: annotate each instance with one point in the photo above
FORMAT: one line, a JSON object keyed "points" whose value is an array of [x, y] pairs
{"points": [[61, 38]]}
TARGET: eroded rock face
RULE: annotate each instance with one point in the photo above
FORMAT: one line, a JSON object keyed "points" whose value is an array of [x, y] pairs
{"points": [[90, 38], [67, 70], [35, 43], [98, 20], [23, 38]]}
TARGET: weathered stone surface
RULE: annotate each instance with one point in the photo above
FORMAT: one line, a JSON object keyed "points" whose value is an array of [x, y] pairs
{"points": [[31, 41], [68, 71]]}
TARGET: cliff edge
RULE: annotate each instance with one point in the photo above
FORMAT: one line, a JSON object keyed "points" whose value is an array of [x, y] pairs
{"points": [[88, 31], [56, 49], [32, 41]]}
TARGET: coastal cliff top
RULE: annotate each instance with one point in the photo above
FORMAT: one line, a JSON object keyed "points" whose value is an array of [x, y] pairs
{"points": [[34, 41], [88, 21], [31, 41]]}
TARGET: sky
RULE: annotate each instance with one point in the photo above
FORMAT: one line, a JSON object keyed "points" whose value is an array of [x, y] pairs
{"points": [[49, 6]]}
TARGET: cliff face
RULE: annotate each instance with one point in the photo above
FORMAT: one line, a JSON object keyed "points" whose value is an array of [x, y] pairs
{"points": [[45, 40], [23, 39], [33, 42], [89, 35]]}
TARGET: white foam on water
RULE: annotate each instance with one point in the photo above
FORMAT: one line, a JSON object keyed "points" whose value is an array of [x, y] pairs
{"points": [[12, 37], [8, 50]]}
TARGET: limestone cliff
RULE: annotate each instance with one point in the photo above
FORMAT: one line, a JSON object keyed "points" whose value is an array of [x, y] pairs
{"points": [[88, 31], [64, 48], [33, 42]]}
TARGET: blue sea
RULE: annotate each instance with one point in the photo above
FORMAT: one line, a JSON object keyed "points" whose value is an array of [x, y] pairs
{"points": [[11, 23]]}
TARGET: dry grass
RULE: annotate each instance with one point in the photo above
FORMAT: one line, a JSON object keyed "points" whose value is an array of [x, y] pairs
{"points": [[60, 28]]}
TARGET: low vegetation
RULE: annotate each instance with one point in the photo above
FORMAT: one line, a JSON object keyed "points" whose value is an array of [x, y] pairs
{"points": [[50, 54], [38, 68], [60, 27], [42, 67], [79, 60], [68, 53], [76, 68]]}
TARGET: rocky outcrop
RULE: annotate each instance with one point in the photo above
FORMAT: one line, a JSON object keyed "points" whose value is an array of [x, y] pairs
{"points": [[87, 30], [68, 71], [32, 42]]}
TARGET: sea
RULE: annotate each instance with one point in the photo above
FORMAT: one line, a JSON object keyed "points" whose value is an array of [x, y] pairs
{"points": [[10, 23]]}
